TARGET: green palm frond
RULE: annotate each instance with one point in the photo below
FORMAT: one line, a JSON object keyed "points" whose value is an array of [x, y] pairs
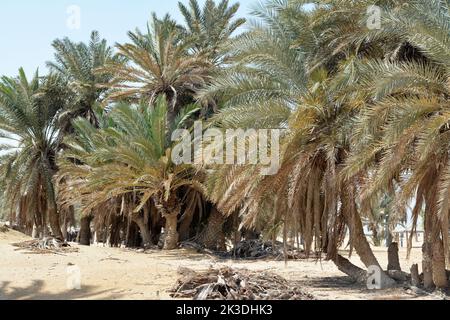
{"points": [[129, 156]]}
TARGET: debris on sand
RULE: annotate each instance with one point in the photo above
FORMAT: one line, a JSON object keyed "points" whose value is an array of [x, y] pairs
{"points": [[3, 228], [48, 245], [254, 250], [259, 249], [235, 284]]}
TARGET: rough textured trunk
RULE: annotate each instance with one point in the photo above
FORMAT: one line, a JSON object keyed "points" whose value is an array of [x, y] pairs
{"points": [[366, 255], [54, 220], [212, 236], [115, 233], [415, 279], [37, 232], [85, 231], [429, 227], [438, 262], [64, 230], [169, 210], [360, 242], [398, 275], [69, 221], [345, 266], [388, 235], [157, 223], [393, 259], [38, 224], [67, 217], [145, 231], [41, 218], [171, 232], [132, 238], [45, 232], [359, 239], [427, 265]]}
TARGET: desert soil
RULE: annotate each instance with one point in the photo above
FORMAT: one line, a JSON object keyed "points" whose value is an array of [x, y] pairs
{"points": [[112, 273]]}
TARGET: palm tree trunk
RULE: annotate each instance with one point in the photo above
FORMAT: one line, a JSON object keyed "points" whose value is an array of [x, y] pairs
{"points": [[393, 259], [145, 231], [65, 224], [54, 219], [438, 262], [169, 210], [212, 236], [359, 240], [44, 221], [427, 265], [85, 231], [171, 232], [69, 220], [132, 235], [37, 225], [344, 265], [114, 235], [366, 254], [427, 249]]}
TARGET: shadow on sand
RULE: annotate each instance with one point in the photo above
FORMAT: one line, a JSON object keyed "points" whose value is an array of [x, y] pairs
{"points": [[36, 291]]}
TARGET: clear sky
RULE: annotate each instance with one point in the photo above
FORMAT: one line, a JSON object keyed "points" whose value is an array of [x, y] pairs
{"points": [[28, 27]]}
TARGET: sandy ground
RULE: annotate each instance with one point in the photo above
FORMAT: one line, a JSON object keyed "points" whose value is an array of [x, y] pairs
{"points": [[111, 273]]}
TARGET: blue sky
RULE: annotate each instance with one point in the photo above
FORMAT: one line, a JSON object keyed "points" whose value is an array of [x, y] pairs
{"points": [[28, 27]]}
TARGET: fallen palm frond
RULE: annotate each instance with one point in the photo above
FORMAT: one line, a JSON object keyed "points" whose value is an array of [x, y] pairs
{"points": [[235, 284], [45, 246], [259, 249], [254, 250]]}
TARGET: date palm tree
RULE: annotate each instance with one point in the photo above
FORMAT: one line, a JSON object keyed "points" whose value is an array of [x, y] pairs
{"points": [[158, 62], [210, 29], [274, 86], [29, 112], [404, 131], [78, 64], [131, 157]]}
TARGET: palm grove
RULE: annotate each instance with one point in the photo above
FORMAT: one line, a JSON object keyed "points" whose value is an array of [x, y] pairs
{"points": [[363, 113]]}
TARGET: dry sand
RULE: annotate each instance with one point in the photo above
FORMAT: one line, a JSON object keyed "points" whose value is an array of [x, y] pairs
{"points": [[111, 273]]}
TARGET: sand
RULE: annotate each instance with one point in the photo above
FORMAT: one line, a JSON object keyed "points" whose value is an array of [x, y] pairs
{"points": [[112, 273]]}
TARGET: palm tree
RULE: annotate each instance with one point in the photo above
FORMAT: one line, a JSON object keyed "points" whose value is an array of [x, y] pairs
{"points": [[130, 160], [274, 86], [78, 64], [210, 29], [404, 131], [158, 62], [29, 112]]}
